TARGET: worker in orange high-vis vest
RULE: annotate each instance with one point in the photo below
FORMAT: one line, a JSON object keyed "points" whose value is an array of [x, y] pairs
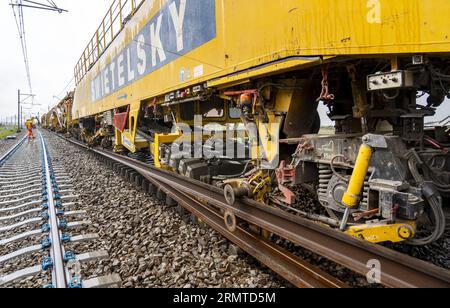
{"points": [[30, 131]]}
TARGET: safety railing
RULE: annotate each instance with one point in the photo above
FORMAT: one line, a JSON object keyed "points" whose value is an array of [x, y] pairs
{"points": [[120, 12]]}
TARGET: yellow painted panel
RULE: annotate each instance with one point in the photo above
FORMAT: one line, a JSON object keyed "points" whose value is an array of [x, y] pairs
{"points": [[252, 33], [162, 139], [269, 143], [381, 233]]}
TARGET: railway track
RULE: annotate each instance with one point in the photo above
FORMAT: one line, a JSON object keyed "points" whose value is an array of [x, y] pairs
{"points": [[395, 269], [39, 223]]}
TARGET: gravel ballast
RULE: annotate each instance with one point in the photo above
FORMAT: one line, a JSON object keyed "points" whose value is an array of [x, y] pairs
{"points": [[6, 144], [149, 244]]}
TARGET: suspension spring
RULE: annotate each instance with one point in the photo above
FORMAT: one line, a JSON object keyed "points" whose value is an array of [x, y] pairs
{"points": [[365, 199], [325, 175]]}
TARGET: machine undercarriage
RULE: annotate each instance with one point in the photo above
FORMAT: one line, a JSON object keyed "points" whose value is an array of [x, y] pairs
{"points": [[383, 176]]}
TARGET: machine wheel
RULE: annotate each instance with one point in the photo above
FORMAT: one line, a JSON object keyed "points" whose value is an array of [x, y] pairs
{"points": [[230, 221], [229, 194]]}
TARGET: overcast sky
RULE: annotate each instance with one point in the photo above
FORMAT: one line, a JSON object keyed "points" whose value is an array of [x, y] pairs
{"points": [[55, 43]]}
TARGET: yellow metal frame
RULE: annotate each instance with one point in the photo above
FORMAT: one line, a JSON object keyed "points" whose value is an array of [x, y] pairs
{"points": [[382, 233], [353, 195], [268, 144], [260, 38], [159, 140], [127, 138], [295, 34], [110, 27], [260, 183], [280, 66]]}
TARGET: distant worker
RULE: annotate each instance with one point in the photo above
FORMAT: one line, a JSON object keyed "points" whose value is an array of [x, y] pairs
{"points": [[30, 131]]}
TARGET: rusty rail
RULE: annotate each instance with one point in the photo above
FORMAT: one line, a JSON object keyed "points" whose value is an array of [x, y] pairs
{"points": [[397, 270], [296, 271]]}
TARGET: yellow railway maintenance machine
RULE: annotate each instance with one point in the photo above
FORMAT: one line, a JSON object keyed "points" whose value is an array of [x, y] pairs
{"points": [[154, 69], [59, 117]]}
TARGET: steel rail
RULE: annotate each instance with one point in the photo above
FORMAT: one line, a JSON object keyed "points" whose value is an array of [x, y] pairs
{"points": [[397, 270], [59, 277], [51, 204], [8, 153], [299, 273]]}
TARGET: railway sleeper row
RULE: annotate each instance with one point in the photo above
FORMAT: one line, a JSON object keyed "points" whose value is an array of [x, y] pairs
{"points": [[39, 216]]}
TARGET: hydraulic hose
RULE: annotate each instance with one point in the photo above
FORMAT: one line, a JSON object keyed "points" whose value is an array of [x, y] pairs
{"points": [[434, 200], [226, 177], [442, 187]]}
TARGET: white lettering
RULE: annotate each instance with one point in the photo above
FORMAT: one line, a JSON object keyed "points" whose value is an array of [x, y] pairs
{"points": [[374, 14], [155, 41], [93, 94], [178, 20], [198, 136], [190, 299], [98, 87], [120, 70], [106, 88], [112, 68], [142, 65], [130, 69], [198, 71]]}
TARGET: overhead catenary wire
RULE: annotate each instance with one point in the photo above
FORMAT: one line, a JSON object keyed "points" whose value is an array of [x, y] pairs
{"points": [[17, 8], [42, 6], [51, 3], [19, 18], [66, 87], [63, 91]]}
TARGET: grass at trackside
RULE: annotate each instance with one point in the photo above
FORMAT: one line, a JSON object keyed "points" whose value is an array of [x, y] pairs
{"points": [[7, 131]]}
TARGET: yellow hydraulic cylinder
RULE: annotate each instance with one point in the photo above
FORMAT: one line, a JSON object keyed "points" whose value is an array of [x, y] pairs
{"points": [[352, 196]]}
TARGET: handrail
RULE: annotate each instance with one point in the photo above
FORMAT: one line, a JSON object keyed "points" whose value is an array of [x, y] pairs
{"points": [[111, 25]]}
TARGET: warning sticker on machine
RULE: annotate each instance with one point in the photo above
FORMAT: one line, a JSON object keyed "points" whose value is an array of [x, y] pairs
{"points": [[198, 71]]}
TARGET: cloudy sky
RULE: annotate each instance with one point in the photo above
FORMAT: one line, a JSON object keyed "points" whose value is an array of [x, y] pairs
{"points": [[55, 43]]}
